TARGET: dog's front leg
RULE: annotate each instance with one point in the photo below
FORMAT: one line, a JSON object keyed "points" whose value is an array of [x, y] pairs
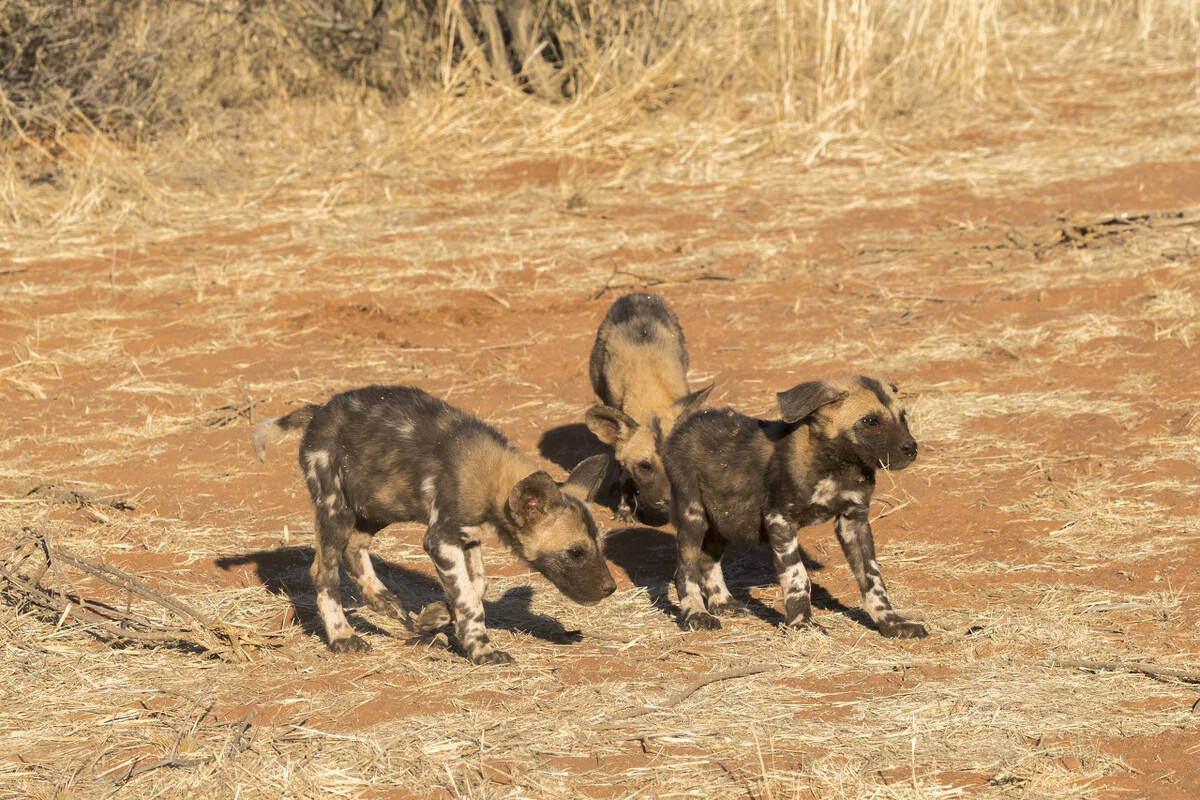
{"points": [[858, 543], [444, 545], [626, 510]]}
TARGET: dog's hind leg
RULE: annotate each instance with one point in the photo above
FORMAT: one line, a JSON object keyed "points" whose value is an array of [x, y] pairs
{"points": [[691, 525], [712, 579], [333, 533], [356, 558], [334, 524]]}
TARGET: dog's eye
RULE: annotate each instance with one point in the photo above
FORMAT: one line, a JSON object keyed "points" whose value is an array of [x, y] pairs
{"points": [[644, 466], [870, 421], [576, 553]]}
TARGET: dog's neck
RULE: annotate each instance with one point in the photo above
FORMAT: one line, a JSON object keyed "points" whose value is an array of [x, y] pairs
{"points": [[812, 455]]}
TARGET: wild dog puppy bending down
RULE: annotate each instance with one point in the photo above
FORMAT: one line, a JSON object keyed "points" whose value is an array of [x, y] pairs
{"points": [[385, 454], [639, 371], [735, 479]]}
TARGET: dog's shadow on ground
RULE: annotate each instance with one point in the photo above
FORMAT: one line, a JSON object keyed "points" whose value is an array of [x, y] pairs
{"points": [[647, 555], [567, 445], [285, 571]]}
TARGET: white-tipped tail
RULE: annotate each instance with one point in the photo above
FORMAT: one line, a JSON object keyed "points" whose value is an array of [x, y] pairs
{"points": [[269, 431]]}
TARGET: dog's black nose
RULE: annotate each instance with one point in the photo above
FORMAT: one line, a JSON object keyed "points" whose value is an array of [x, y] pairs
{"points": [[909, 448]]}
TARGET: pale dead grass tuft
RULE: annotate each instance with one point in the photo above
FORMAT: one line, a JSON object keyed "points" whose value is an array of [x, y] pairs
{"points": [[1174, 312], [947, 415], [1103, 519]]}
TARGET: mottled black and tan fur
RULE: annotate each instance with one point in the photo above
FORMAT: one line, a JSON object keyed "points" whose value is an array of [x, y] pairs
{"points": [[639, 369], [735, 479], [385, 454]]}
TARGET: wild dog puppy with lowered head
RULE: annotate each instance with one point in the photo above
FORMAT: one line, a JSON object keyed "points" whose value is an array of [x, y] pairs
{"points": [[735, 479], [385, 454], [639, 371]]}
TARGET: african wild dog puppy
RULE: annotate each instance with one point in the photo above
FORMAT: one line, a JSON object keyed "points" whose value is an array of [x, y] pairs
{"points": [[639, 371], [735, 479], [385, 454]]}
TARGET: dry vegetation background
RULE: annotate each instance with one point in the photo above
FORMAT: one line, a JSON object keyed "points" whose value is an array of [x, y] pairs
{"points": [[211, 211]]}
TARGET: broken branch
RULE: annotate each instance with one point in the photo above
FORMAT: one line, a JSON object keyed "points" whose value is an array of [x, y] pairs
{"points": [[619, 720], [1151, 670], [33, 558]]}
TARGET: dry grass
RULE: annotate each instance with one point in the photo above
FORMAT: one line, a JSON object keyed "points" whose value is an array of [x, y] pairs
{"points": [[456, 237], [693, 90]]}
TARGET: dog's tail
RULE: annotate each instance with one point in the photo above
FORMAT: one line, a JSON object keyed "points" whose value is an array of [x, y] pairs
{"points": [[270, 431]]}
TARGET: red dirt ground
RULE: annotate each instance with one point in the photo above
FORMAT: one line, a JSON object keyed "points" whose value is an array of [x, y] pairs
{"points": [[1053, 388]]}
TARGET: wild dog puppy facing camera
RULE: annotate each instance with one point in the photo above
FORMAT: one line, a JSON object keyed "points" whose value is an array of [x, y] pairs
{"points": [[385, 454], [639, 369], [735, 479]]}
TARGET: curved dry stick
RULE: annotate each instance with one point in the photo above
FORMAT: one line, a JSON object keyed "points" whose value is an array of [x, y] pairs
{"points": [[1151, 670], [618, 720], [124, 580]]}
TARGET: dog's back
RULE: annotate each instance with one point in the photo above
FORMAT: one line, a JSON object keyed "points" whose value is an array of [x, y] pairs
{"points": [[393, 450], [718, 462], [639, 362]]}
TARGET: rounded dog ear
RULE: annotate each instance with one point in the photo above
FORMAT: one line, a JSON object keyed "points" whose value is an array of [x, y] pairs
{"points": [[587, 476], [693, 402], [805, 398], [609, 424], [532, 497]]}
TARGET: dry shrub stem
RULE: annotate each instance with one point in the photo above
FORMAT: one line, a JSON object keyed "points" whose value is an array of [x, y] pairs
{"points": [[82, 84], [34, 552], [73, 497], [619, 720]]}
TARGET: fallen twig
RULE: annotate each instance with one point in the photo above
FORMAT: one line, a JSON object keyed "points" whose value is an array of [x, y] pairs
{"points": [[511, 345], [72, 497], [713, 677], [619, 720], [1151, 670], [652, 280], [76, 607], [1081, 231], [227, 415]]}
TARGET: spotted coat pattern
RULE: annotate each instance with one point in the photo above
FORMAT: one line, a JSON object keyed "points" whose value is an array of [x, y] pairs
{"points": [[385, 454], [736, 479]]}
